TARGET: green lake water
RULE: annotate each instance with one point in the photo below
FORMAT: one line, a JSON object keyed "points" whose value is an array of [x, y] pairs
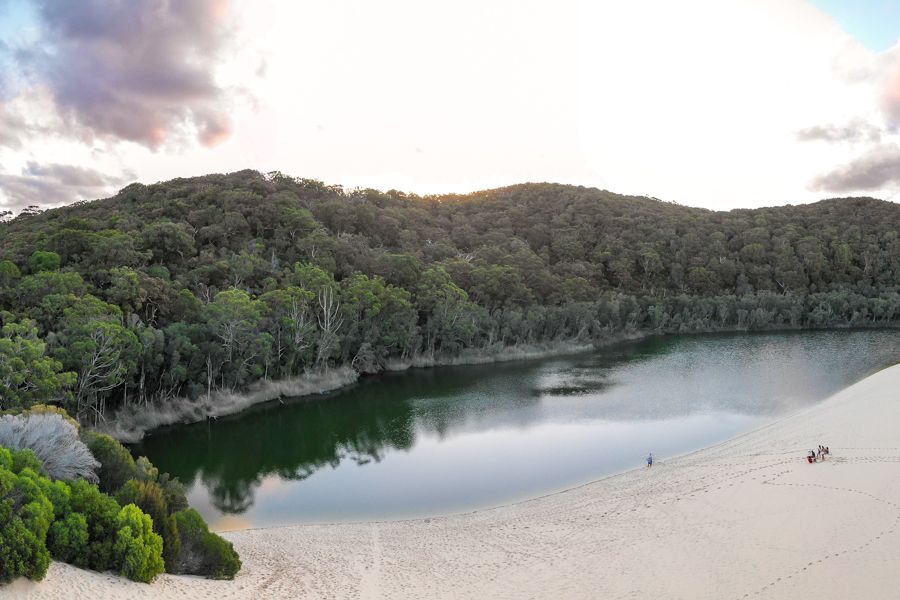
{"points": [[450, 439]]}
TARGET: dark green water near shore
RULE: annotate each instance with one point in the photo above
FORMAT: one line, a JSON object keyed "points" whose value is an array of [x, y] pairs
{"points": [[449, 439]]}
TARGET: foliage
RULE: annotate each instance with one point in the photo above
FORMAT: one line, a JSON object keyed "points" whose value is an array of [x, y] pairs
{"points": [[54, 440], [203, 552], [43, 261], [27, 375], [21, 552], [193, 286], [97, 345], [25, 517], [140, 483], [25, 458], [100, 513], [68, 537], [77, 523], [116, 463], [139, 549], [150, 498]]}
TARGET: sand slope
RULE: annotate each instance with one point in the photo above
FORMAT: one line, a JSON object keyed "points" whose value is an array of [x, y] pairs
{"points": [[746, 519]]}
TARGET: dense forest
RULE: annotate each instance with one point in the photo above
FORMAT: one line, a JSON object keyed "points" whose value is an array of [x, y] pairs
{"points": [[193, 286]]}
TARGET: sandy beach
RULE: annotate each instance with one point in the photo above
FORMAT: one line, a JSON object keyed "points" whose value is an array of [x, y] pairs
{"points": [[749, 518]]}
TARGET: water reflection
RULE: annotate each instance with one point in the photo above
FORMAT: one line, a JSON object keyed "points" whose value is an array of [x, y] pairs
{"points": [[430, 441]]}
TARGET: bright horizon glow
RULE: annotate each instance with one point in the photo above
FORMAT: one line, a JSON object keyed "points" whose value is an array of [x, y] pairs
{"points": [[698, 103]]}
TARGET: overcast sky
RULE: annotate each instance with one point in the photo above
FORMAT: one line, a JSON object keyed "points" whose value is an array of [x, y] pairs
{"points": [[713, 103]]}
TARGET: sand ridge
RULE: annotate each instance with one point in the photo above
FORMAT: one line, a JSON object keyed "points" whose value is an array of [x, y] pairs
{"points": [[749, 518]]}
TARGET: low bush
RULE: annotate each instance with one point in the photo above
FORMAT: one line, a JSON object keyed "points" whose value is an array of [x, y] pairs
{"points": [[203, 552], [116, 464], [73, 521], [138, 532], [22, 553], [100, 513], [35, 509], [138, 548], [68, 538], [25, 517], [150, 498], [25, 459], [173, 490]]}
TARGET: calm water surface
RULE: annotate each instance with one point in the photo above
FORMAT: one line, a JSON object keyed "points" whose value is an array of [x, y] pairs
{"points": [[434, 441]]}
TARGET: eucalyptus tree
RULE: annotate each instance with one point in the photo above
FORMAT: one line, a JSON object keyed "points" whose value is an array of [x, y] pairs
{"points": [[95, 343], [27, 374]]}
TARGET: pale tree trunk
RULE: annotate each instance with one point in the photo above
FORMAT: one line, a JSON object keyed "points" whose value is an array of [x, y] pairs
{"points": [[330, 323]]}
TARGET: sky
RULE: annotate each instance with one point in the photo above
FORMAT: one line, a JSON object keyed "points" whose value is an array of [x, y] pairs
{"points": [[714, 103]]}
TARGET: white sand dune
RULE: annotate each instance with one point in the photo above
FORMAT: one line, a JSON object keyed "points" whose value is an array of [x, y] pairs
{"points": [[749, 518]]}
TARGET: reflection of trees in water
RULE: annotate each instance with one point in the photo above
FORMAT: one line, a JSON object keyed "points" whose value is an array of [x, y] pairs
{"points": [[646, 380], [594, 373], [232, 456], [232, 497], [752, 374]]}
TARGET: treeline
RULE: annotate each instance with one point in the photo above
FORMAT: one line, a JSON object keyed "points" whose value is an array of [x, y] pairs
{"points": [[194, 286]]}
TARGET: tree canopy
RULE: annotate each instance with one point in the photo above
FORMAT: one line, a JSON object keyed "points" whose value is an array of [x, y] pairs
{"points": [[191, 286]]}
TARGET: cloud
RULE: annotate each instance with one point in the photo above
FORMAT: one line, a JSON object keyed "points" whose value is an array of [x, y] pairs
{"points": [[890, 95], [878, 167], [56, 184], [854, 131], [880, 70], [136, 70], [11, 129], [872, 170]]}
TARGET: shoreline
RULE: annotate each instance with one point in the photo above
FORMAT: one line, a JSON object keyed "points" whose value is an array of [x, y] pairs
{"points": [[545, 495], [745, 517], [131, 424]]}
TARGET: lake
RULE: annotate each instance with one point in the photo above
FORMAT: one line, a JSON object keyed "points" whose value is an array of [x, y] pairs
{"points": [[450, 439]]}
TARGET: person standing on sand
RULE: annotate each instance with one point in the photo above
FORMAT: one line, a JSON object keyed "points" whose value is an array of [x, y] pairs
{"points": [[650, 460]]}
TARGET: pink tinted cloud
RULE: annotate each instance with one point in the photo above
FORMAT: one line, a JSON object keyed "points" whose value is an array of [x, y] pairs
{"points": [[136, 70]]}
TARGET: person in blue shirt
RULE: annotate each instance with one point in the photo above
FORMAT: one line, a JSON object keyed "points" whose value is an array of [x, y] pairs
{"points": [[650, 460]]}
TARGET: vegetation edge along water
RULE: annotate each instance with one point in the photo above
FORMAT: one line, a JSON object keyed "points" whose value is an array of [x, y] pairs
{"points": [[399, 445], [133, 423], [178, 296]]}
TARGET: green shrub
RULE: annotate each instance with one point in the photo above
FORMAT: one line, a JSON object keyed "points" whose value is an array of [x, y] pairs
{"points": [[68, 538], [25, 517], [150, 498], [8, 481], [203, 552], [100, 512], [145, 471], [77, 523], [59, 494], [174, 492], [116, 464], [138, 548], [35, 510], [22, 553], [25, 459]]}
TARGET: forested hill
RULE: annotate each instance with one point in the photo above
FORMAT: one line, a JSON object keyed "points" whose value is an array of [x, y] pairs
{"points": [[194, 285]]}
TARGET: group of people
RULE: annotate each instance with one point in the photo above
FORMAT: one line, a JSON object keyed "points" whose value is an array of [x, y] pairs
{"points": [[817, 455]]}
